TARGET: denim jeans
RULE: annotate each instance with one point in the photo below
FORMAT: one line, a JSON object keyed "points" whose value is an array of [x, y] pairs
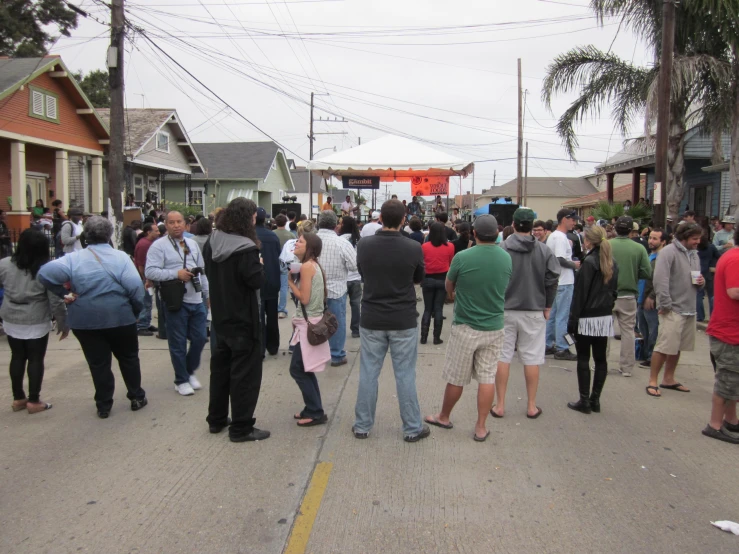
{"points": [[557, 322], [403, 347], [648, 326], [354, 290], [308, 384], [337, 306], [186, 324], [434, 295], [282, 304], [144, 321]]}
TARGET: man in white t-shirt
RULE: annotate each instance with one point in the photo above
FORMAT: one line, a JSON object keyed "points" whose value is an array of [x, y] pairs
{"points": [[561, 247], [347, 208], [371, 227]]}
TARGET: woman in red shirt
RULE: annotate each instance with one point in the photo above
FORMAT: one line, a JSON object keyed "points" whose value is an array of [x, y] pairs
{"points": [[437, 256]]}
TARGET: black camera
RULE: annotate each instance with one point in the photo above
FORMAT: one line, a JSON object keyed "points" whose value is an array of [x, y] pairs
{"points": [[196, 271]]}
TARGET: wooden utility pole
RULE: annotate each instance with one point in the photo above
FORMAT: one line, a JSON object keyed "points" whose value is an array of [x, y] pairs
{"points": [[526, 178], [519, 173], [663, 110], [116, 156], [311, 138]]}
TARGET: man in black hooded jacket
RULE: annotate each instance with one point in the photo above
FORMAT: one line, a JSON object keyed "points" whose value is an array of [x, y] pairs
{"points": [[233, 267]]}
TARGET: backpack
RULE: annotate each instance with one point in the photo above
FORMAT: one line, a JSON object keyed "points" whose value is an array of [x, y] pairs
{"points": [[58, 237]]}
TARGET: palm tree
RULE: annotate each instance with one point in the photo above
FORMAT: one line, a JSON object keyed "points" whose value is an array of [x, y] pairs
{"points": [[603, 79]]}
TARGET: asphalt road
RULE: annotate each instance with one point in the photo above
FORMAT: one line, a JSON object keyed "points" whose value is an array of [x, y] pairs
{"points": [[639, 477]]}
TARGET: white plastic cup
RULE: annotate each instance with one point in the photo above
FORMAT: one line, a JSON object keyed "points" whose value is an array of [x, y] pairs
{"points": [[295, 267], [694, 276]]}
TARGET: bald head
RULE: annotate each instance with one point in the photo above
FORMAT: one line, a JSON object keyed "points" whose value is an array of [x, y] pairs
{"points": [[175, 224]]}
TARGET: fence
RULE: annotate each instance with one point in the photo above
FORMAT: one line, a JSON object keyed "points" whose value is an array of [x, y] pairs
{"points": [[9, 242]]}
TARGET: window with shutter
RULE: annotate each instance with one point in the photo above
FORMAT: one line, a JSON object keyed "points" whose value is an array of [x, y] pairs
{"points": [[37, 103], [51, 112]]}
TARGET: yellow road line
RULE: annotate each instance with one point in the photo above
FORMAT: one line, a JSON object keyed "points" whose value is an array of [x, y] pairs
{"points": [[309, 509]]}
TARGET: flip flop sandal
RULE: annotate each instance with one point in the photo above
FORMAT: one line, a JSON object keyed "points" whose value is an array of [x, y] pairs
{"points": [[36, 409], [537, 414], [312, 422], [434, 421], [492, 413], [655, 389], [481, 439], [676, 387]]}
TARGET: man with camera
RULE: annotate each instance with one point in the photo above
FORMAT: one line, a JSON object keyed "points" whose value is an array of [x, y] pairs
{"points": [[175, 262]]}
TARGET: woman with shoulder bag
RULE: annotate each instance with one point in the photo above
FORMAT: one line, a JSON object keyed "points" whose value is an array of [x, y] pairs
{"points": [[591, 322], [307, 358]]}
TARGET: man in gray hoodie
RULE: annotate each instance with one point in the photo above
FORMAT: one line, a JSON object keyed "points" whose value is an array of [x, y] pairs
{"points": [[528, 301]]}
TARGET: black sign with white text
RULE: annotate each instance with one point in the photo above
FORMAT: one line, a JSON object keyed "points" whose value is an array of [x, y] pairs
{"points": [[360, 182]]}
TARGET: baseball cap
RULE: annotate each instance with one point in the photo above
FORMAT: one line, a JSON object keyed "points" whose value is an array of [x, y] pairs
{"points": [[523, 214], [261, 214], [729, 219], [566, 213], [75, 212], [486, 225], [625, 223], [375, 215], [590, 218]]}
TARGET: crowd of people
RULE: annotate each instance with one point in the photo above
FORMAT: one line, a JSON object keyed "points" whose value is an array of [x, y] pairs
{"points": [[544, 288]]}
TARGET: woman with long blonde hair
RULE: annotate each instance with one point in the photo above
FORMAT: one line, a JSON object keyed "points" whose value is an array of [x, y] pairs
{"points": [[591, 322]]}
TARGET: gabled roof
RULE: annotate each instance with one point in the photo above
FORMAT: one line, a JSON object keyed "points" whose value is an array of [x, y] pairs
{"points": [[560, 187], [300, 177], [16, 72], [237, 160], [143, 123], [620, 194]]}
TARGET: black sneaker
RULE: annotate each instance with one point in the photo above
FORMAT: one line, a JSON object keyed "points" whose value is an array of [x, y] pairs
{"points": [[341, 362], [425, 432], [617, 337], [136, 405], [253, 435], [153, 329], [355, 335], [145, 333], [720, 435], [358, 435], [646, 363], [103, 414], [550, 350], [218, 428], [565, 355], [731, 427]]}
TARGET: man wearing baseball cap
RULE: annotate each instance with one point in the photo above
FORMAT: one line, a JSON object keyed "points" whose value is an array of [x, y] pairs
{"points": [[528, 301], [589, 221], [478, 277], [560, 245], [724, 239], [633, 264], [371, 227]]}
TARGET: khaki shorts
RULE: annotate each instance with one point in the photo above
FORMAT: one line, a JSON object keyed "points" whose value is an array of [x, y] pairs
{"points": [[471, 354], [726, 357], [676, 334], [528, 331]]}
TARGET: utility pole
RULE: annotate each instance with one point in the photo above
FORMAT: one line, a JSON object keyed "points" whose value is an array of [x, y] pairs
{"points": [[526, 178], [663, 110], [519, 173], [116, 157], [495, 172], [311, 140]]}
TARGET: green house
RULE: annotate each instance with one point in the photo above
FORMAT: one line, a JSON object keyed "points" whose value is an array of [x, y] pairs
{"points": [[255, 170]]}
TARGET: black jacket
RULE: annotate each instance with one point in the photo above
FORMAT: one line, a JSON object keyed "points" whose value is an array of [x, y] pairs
{"points": [[271, 255], [129, 240], [234, 277], [591, 296]]}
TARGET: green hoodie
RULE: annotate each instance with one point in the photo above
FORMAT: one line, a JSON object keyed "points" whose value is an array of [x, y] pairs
{"points": [[633, 264]]}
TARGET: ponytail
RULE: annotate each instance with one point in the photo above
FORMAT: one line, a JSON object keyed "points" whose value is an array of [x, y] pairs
{"points": [[596, 236]]}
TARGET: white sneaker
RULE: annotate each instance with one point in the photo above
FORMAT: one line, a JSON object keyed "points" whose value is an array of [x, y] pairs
{"points": [[195, 383], [626, 373], [185, 389]]}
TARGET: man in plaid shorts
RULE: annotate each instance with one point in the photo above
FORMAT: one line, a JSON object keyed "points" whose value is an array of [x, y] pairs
{"points": [[478, 277]]}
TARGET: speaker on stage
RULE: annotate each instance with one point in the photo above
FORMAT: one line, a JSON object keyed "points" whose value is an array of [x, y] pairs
{"points": [[291, 207], [503, 213]]}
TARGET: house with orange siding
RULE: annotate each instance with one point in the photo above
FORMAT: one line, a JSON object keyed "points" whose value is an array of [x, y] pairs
{"points": [[44, 118]]}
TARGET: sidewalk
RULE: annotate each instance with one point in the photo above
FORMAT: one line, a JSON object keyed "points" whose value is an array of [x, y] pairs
{"points": [[639, 477]]}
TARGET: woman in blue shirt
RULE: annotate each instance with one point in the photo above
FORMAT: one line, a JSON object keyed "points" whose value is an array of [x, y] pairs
{"points": [[104, 299]]}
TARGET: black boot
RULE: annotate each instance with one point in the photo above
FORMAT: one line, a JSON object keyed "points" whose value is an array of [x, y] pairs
{"points": [[425, 325], [583, 383], [599, 379], [438, 324]]}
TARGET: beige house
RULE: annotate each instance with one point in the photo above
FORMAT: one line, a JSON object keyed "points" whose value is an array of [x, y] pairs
{"points": [[545, 195]]}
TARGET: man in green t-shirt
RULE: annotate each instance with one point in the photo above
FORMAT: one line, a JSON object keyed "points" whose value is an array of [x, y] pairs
{"points": [[478, 278]]}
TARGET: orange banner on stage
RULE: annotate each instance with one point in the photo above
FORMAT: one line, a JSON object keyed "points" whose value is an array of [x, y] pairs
{"points": [[429, 186]]}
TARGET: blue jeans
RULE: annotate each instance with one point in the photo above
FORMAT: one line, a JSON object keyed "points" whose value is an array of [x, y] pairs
{"points": [[186, 324], [354, 291], [282, 304], [337, 306], [403, 347], [648, 326], [557, 323], [144, 321]]}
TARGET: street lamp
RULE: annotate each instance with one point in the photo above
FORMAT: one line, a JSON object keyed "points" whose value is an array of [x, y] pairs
{"points": [[322, 149]]}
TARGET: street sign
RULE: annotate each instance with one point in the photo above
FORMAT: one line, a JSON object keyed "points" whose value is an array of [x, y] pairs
{"points": [[360, 182]]}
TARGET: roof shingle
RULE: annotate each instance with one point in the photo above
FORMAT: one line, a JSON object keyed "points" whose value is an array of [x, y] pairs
{"points": [[561, 187], [236, 160]]}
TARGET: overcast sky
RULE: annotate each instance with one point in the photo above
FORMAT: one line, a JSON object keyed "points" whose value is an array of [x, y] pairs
{"points": [[436, 70]]}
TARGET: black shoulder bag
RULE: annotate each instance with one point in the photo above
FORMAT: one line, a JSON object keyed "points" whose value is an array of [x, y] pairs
{"points": [[173, 291], [320, 332]]}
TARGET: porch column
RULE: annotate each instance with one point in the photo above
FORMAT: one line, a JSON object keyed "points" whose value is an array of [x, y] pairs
{"points": [[609, 187], [18, 218], [635, 186], [96, 200], [62, 178]]}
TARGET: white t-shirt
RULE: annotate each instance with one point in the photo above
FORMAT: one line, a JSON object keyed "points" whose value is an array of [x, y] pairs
{"points": [[370, 229], [347, 207], [560, 246]]}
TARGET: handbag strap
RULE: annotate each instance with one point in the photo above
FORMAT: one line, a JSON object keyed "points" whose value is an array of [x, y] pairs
{"points": [[118, 281]]}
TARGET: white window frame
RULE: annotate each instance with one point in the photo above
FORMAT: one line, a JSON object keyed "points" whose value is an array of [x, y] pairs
{"points": [[51, 105], [158, 148], [193, 190], [138, 188], [40, 96]]}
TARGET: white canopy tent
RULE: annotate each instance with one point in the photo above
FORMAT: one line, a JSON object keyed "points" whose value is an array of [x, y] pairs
{"points": [[392, 159]]}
